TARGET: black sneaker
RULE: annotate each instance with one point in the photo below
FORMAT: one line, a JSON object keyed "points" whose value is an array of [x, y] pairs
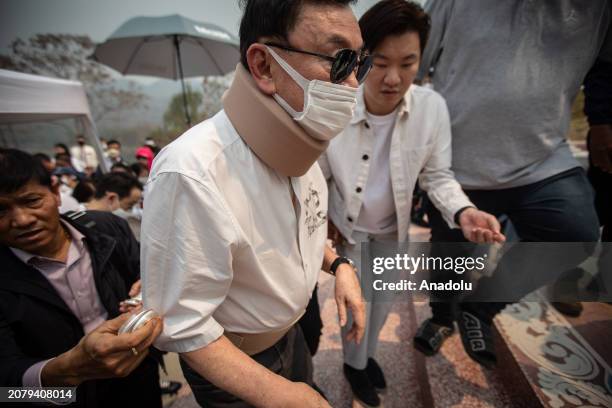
{"points": [[572, 309], [361, 386], [375, 374], [430, 337], [477, 338]]}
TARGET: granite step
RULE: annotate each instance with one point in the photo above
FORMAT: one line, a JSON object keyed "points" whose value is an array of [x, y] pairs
{"points": [[566, 361]]}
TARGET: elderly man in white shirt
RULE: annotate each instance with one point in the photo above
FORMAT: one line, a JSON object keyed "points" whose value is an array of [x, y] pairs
{"points": [[399, 130], [235, 222]]}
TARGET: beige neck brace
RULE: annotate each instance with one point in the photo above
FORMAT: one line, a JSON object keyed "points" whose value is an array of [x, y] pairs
{"points": [[268, 130]]}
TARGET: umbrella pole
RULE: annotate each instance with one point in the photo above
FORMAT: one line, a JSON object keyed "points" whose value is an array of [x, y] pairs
{"points": [[180, 65]]}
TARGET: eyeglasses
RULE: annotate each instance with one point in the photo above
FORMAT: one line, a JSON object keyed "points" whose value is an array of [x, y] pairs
{"points": [[343, 63]]}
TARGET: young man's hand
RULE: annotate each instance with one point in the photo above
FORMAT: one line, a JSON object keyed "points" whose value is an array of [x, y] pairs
{"points": [[102, 354], [480, 227]]}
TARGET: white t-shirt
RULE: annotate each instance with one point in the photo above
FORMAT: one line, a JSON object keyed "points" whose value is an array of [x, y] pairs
{"points": [[377, 214], [221, 247]]}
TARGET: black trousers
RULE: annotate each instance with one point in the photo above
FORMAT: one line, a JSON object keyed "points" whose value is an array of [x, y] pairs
{"points": [[289, 358], [557, 209], [311, 323], [602, 184]]}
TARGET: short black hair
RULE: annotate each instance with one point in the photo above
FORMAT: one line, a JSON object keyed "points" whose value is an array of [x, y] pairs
{"points": [[393, 17], [113, 141], [119, 183], [125, 167], [272, 18], [18, 168], [63, 147], [42, 157], [137, 168], [64, 157], [84, 191]]}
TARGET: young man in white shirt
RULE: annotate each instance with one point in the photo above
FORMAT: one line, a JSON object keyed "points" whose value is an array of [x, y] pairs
{"points": [[235, 221], [399, 130]]}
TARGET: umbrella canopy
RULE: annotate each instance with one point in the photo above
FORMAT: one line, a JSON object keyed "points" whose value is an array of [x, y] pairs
{"points": [[147, 46], [173, 47]]}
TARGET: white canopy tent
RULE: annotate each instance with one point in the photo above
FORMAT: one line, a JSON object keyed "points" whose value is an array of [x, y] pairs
{"points": [[26, 98]]}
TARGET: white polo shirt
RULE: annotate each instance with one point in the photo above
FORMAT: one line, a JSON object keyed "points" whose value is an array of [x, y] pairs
{"points": [[221, 244]]}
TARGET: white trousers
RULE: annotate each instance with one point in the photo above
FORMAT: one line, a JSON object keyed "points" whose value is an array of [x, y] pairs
{"points": [[377, 310]]}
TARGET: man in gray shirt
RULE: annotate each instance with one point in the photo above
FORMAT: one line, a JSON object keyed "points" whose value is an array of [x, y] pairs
{"points": [[509, 72]]}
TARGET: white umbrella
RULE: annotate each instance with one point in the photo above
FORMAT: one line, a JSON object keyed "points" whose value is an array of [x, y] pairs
{"points": [[172, 47]]}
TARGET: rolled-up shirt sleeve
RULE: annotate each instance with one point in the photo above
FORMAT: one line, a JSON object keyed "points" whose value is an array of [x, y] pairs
{"points": [[187, 240]]}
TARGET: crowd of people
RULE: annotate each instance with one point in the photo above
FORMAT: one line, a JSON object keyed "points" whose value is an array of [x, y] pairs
{"points": [[323, 137]]}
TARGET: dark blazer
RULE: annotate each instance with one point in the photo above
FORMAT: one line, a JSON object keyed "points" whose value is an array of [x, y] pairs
{"points": [[36, 324]]}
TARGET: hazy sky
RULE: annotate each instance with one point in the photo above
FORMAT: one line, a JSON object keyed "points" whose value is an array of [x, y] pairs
{"points": [[99, 18]]}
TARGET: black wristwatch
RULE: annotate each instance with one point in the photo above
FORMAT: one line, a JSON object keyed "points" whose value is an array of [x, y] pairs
{"points": [[340, 260]]}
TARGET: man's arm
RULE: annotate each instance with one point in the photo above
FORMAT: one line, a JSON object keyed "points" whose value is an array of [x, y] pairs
{"points": [[598, 108], [332, 231], [188, 242], [446, 193], [227, 367], [100, 354], [347, 295], [13, 362]]}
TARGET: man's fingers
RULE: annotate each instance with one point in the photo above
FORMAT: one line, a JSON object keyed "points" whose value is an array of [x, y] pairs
{"points": [[158, 326], [126, 341], [494, 224], [135, 288], [359, 322], [499, 238], [341, 311], [115, 324]]}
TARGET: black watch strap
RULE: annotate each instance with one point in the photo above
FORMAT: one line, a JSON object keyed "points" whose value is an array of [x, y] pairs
{"points": [[337, 262]]}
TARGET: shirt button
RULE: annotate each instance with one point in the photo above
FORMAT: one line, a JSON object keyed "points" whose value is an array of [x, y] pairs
{"points": [[366, 124], [350, 219], [358, 189], [365, 157]]}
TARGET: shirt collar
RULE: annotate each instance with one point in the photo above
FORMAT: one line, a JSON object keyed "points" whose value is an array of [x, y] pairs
{"points": [[76, 237], [360, 113]]}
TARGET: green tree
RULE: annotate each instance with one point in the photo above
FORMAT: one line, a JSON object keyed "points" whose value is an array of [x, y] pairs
{"points": [[174, 117]]}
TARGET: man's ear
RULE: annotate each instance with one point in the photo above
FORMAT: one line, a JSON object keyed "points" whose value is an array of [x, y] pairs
{"points": [[259, 60], [113, 200]]}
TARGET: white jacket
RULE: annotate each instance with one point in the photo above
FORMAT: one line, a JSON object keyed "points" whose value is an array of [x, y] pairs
{"points": [[421, 144]]}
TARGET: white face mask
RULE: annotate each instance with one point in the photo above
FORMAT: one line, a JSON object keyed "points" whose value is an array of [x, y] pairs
{"points": [[328, 107]]}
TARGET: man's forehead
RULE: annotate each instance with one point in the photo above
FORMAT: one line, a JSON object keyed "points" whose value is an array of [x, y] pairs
{"points": [[28, 190], [327, 27]]}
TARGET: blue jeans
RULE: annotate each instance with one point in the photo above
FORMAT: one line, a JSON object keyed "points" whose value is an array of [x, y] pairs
{"points": [[557, 209]]}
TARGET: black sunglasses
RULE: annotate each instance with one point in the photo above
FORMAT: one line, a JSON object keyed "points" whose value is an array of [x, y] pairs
{"points": [[343, 63]]}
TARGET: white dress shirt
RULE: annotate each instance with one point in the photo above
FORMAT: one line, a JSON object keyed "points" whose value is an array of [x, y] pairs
{"points": [[221, 247], [420, 144], [86, 154]]}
